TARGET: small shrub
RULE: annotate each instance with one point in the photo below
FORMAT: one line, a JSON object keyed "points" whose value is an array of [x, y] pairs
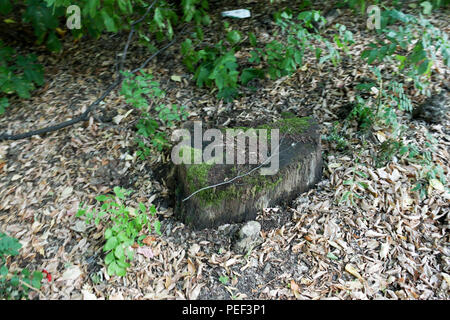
{"points": [[18, 74], [123, 227], [141, 91], [398, 31]]}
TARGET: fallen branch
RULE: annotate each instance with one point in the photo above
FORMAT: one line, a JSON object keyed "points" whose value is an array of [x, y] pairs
{"points": [[83, 117]]}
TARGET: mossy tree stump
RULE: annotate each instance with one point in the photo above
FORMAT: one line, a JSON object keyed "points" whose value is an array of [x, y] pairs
{"points": [[300, 168]]}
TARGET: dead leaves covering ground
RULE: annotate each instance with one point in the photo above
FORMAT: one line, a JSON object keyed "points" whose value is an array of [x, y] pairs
{"points": [[390, 245]]}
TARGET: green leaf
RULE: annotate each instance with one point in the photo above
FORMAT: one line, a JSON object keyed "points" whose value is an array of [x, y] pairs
{"points": [[101, 198], [427, 6], [252, 39], [234, 37], [119, 253], [158, 18], [112, 268], [123, 237], [109, 258], [37, 278], [22, 87], [121, 271], [110, 244], [361, 174], [418, 53], [124, 6], [53, 42], [130, 254], [15, 281], [363, 184], [26, 272], [3, 104], [251, 73], [120, 193], [108, 21], [157, 226], [305, 16], [348, 182], [92, 6], [123, 264], [108, 234], [3, 271], [425, 67], [34, 75], [9, 246]]}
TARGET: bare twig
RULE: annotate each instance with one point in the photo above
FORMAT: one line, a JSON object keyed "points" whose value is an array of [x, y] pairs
{"points": [[29, 287], [10, 275], [130, 35]]}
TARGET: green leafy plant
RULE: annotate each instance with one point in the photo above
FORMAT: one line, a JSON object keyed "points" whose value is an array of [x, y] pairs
{"points": [[338, 140], [355, 185], [3, 104], [382, 109], [170, 114], [141, 91], [116, 15], [217, 66], [363, 114], [285, 59], [398, 31], [18, 74], [385, 100], [355, 4], [123, 227], [15, 285], [387, 150], [430, 173]]}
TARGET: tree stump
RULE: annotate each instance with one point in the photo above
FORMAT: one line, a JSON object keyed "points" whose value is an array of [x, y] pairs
{"points": [[300, 168]]}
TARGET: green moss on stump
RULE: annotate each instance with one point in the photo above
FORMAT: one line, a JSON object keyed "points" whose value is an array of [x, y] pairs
{"points": [[198, 175]]}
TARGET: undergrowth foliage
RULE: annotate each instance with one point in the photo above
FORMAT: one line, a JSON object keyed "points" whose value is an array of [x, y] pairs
{"points": [[17, 284], [413, 64], [218, 66], [398, 31], [124, 226], [48, 17], [18, 74], [142, 92]]}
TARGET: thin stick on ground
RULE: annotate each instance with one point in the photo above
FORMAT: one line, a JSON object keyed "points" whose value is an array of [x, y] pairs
{"points": [[29, 286]]}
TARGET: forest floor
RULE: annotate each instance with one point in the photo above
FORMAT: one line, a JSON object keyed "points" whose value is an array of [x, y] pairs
{"points": [[389, 244]]}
